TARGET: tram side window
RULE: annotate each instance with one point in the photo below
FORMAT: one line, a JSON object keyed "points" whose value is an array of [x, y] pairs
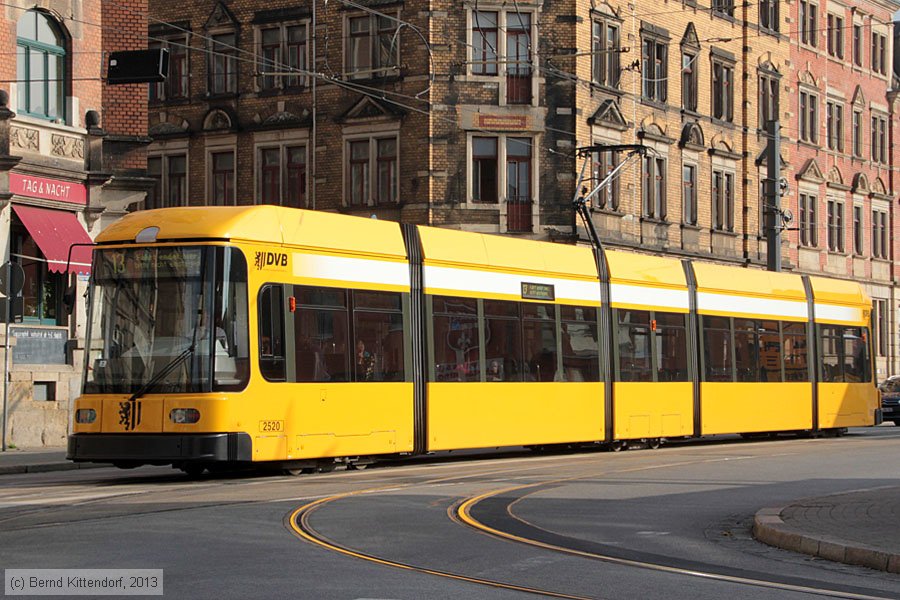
{"points": [[845, 355], [857, 365], [717, 349], [831, 355], [770, 351], [456, 351], [321, 334], [271, 333], [745, 350], [503, 341], [796, 366], [378, 328], [671, 347], [635, 362], [539, 337], [580, 347]]}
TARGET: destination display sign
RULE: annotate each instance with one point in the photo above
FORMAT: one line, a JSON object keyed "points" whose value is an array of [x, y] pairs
{"points": [[538, 291]]}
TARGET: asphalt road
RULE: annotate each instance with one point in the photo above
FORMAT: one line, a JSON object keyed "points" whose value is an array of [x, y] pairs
{"points": [[642, 524]]}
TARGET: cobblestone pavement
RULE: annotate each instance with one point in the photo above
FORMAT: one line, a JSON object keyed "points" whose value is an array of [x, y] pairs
{"points": [[859, 528]]}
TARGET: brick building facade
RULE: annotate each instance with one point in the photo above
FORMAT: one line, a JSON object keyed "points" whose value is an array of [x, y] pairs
{"points": [[468, 115], [72, 160], [840, 128]]}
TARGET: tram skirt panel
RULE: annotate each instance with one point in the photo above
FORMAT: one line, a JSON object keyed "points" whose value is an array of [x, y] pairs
{"points": [[847, 404], [653, 410], [753, 407], [481, 415]]}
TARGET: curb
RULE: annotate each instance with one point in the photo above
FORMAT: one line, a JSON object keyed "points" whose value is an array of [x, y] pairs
{"points": [[769, 528], [47, 467]]}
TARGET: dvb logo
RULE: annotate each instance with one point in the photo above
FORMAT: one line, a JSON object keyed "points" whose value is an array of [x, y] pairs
{"points": [[270, 260], [276, 260]]}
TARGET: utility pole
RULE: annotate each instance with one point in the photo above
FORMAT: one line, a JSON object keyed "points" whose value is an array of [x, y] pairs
{"points": [[772, 196]]}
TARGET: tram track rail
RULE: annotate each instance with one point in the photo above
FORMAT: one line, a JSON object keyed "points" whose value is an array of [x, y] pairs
{"points": [[492, 513]]}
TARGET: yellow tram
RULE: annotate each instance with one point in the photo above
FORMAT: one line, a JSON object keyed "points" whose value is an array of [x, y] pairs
{"points": [[236, 335]]}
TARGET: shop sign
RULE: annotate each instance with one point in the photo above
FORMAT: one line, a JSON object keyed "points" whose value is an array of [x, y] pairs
{"points": [[39, 346], [48, 189]]}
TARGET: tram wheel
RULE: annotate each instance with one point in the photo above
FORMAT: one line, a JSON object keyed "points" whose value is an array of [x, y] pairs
{"points": [[654, 443], [295, 471], [193, 470], [618, 446]]}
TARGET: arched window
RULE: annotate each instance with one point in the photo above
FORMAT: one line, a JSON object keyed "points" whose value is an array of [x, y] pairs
{"points": [[41, 66]]}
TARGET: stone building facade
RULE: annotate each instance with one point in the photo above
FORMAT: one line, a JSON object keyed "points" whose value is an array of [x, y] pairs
{"points": [[72, 160], [468, 115]]}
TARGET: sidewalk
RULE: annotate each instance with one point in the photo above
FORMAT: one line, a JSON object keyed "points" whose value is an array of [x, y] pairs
{"points": [[857, 528], [38, 460]]}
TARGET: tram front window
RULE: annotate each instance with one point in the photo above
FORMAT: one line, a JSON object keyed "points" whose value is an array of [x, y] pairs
{"points": [[181, 309]]}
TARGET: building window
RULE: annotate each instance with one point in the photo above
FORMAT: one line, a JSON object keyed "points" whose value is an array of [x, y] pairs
{"points": [[881, 327], [655, 69], [857, 134], [689, 193], [809, 27], [879, 139], [857, 45], [386, 171], [373, 48], [809, 119], [484, 43], [282, 174], [858, 230], [378, 156], [282, 50], [723, 200], [689, 81], [42, 289], [723, 7], [809, 233], [879, 49], [605, 65], [223, 64], [768, 99], [170, 175], [40, 66], [518, 184], [835, 34], [879, 234], [835, 226], [518, 58], [484, 169], [722, 90], [769, 15], [175, 87], [654, 188], [505, 37], [222, 178], [834, 126], [604, 164]]}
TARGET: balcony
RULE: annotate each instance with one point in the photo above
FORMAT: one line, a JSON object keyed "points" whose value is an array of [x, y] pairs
{"points": [[518, 214], [518, 88]]}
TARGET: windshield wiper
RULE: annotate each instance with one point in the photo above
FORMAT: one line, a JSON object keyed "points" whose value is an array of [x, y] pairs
{"points": [[161, 374]]}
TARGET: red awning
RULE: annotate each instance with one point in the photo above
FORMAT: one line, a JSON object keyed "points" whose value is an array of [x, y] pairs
{"points": [[55, 231]]}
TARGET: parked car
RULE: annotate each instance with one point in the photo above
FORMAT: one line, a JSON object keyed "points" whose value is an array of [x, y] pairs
{"points": [[890, 399]]}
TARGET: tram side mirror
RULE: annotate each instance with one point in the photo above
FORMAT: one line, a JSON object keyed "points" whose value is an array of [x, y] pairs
{"points": [[69, 299]]}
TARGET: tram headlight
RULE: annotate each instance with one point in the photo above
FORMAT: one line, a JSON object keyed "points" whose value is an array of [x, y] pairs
{"points": [[184, 415], [85, 415]]}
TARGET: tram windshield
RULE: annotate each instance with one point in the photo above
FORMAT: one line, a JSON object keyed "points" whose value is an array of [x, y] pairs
{"points": [[181, 309]]}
